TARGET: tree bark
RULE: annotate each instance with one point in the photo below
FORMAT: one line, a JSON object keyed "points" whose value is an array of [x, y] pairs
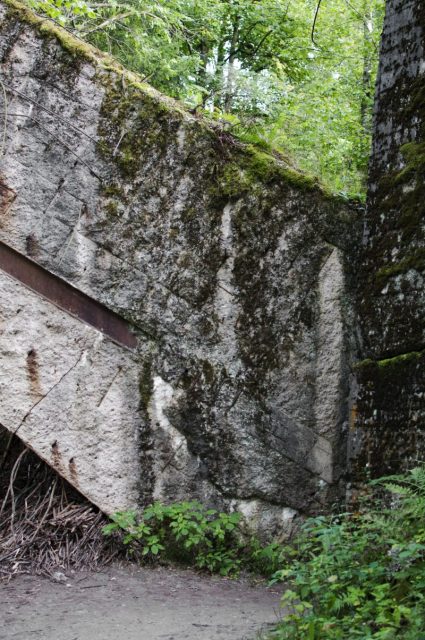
{"points": [[230, 80]]}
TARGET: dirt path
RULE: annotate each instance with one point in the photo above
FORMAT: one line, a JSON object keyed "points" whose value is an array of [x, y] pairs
{"points": [[131, 603]]}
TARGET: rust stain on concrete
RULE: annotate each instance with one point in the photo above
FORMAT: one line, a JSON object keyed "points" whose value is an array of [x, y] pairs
{"points": [[33, 373], [7, 196], [31, 245], [353, 417], [73, 472], [56, 457]]}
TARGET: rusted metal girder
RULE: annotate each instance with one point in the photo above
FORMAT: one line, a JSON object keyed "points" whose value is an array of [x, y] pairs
{"points": [[65, 296]]}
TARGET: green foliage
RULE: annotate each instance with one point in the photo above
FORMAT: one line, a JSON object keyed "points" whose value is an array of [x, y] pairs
{"points": [[64, 11], [324, 120], [190, 533], [254, 65], [185, 532], [360, 575]]}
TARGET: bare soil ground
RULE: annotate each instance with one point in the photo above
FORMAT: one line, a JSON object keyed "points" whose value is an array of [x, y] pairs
{"points": [[127, 602]]}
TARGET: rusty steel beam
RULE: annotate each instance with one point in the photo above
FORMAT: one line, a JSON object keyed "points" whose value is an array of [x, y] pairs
{"points": [[65, 296]]}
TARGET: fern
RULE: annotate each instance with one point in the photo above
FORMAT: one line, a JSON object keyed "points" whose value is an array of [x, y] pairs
{"points": [[409, 491], [361, 576]]}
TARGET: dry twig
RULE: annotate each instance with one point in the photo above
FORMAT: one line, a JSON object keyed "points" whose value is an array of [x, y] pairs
{"points": [[45, 525]]}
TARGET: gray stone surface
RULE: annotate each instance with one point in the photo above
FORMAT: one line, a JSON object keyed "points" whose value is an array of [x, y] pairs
{"points": [[72, 395], [388, 432], [230, 266]]}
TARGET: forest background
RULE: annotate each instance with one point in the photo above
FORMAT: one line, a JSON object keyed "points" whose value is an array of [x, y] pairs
{"points": [[296, 76]]}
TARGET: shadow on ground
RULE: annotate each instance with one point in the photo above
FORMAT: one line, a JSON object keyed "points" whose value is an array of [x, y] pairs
{"points": [[124, 602]]}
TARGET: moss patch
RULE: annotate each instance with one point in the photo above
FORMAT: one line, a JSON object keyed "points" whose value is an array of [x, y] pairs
{"points": [[397, 205], [415, 261], [146, 385], [252, 165], [395, 361], [248, 168]]}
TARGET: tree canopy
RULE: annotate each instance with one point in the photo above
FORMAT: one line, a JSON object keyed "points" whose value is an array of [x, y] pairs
{"points": [[256, 66]]}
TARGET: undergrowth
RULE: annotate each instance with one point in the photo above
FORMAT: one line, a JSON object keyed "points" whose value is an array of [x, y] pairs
{"points": [[189, 533], [362, 575], [351, 576]]}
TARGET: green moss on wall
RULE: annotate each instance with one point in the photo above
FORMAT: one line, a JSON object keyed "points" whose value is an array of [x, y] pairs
{"points": [[246, 166], [136, 127], [146, 385], [393, 362], [399, 199], [414, 153], [414, 261], [401, 359]]}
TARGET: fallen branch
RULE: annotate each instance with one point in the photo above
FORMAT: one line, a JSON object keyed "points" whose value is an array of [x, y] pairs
{"points": [[45, 525]]}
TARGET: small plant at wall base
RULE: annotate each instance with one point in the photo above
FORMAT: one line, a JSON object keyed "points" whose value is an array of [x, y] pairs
{"points": [[190, 533], [360, 576], [352, 576]]}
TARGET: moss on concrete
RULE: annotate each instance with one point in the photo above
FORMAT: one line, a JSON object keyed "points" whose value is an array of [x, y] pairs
{"points": [[414, 261], [399, 201], [263, 166], [246, 166], [401, 359], [146, 385], [392, 362], [414, 153], [134, 125]]}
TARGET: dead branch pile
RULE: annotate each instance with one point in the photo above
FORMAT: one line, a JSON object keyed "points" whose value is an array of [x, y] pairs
{"points": [[45, 525]]}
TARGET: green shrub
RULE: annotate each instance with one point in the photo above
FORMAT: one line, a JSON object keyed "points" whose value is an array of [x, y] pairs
{"points": [[360, 576], [184, 532], [189, 533], [353, 576]]}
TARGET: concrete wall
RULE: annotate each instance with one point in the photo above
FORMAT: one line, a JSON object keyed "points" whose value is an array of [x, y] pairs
{"points": [[229, 265], [389, 412]]}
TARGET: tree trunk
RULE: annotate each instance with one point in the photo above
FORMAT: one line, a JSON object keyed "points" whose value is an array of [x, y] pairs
{"points": [[367, 84], [228, 98]]}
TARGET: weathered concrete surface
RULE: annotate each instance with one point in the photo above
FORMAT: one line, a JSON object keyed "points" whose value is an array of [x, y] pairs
{"points": [[389, 414], [230, 266], [72, 395]]}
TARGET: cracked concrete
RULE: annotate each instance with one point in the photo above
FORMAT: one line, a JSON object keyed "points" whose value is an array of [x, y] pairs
{"points": [[87, 410], [235, 393]]}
